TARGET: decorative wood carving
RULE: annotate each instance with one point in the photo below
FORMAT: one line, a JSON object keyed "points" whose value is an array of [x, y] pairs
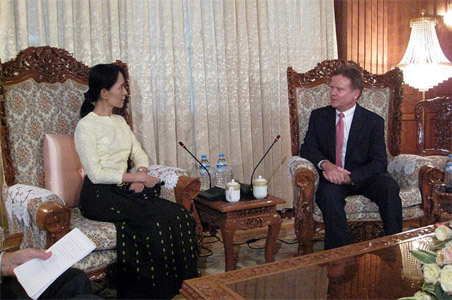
{"points": [[55, 219], [364, 231], [434, 117], [429, 176], [322, 74], [44, 64], [186, 191], [243, 215], [304, 223]]}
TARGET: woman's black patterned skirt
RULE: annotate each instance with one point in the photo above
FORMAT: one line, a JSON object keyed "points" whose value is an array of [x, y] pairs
{"points": [[155, 240]]}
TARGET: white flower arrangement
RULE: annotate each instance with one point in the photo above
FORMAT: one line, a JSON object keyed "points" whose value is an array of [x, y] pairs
{"points": [[437, 266]]}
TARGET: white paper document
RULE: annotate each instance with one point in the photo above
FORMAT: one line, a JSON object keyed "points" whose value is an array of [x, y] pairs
{"points": [[37, 275]]}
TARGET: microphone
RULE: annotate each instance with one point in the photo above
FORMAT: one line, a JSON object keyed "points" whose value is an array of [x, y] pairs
{"points": [[247, 189], [213, 193], [200, 164]]}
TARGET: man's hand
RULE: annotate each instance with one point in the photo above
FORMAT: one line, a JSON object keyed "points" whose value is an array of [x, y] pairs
{"points": [[10, 260], [137, 187], [335, 174]]}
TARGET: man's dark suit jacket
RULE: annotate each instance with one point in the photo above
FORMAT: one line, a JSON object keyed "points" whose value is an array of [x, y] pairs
{"points": [[366, 148]]}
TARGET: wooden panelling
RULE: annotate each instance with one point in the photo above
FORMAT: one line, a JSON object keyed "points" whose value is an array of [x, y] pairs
{"points": [[365, 34], [375, 33]]}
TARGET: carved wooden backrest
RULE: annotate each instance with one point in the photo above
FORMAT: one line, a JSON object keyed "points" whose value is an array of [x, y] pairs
{"points": [[42, 92], [382, 94], [434, 126]]}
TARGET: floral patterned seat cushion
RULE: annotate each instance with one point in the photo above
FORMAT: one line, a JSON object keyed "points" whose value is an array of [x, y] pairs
{"points": [[359, 208], [103, 234]]}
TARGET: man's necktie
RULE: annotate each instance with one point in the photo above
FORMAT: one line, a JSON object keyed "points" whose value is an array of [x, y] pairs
{"points": [[339, 139]]}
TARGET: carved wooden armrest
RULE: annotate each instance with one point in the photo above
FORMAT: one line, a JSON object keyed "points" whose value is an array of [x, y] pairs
{"points": [[27, 206], [305, 178], [429, 176], [54, 218], [186, 191]]}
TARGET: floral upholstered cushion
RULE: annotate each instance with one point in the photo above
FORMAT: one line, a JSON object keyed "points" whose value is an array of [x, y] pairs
{"points": [[96, 259], [404, 168], [57, 102], [407, 213], [103, 234]]}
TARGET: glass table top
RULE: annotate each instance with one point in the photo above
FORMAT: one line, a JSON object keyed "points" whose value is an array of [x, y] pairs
{"points": [[377, 269]]}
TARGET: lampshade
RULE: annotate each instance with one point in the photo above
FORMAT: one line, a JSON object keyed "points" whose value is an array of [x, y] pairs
{"points": [[424, 64]]}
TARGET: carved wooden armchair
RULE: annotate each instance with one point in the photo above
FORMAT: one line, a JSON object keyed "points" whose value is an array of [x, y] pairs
{"points": [[383, 95], [42, 91], [434, 139]]}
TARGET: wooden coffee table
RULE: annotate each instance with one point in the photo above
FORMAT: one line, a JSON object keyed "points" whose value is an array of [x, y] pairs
{"points": [[242, 215]]}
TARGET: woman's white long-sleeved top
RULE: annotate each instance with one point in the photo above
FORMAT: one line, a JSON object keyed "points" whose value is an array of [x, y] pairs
{"points": [[104, 145]]}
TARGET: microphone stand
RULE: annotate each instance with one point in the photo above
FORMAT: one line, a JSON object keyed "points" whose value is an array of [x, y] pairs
{"points": [[213, 193], [247, 189]]}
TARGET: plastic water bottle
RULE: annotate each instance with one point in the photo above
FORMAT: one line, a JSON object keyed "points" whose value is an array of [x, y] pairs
{"points": [[220, 175], [226, 170], [203, 176], [448, 174]]}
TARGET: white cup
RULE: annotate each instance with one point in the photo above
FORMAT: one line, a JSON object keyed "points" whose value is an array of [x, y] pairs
{"points": [[260, 189], [232, 191]]}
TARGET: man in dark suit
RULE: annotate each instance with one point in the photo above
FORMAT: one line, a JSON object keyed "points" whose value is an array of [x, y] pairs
{"points": [[73, 283], [346, 143]]}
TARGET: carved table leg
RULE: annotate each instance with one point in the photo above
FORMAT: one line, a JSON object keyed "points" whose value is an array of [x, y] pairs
{"points": [[273, 232], [227, 231]]}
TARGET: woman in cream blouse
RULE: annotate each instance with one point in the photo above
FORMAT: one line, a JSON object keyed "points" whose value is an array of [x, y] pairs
{"points": [[155, 237]]}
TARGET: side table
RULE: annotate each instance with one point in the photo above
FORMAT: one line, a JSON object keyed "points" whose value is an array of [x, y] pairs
{"points": [[243, 215], [442, 204]]}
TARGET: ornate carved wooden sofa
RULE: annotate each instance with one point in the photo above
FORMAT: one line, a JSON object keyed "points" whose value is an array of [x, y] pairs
{"points": [[383, 95], [42, 91], [434, 139]]}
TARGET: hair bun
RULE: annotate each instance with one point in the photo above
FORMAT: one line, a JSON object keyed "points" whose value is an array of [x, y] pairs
{"points": [[89, 96]]}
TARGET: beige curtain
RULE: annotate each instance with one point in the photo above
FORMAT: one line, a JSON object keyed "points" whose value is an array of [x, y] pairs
{"points": [[209, 73], [240, 51]]}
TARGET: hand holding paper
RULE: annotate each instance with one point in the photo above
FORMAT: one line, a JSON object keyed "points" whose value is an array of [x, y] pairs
{"points": [[36, 275]]}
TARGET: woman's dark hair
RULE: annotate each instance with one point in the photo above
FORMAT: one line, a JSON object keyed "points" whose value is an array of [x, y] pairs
{"points": [[102, 76]]}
